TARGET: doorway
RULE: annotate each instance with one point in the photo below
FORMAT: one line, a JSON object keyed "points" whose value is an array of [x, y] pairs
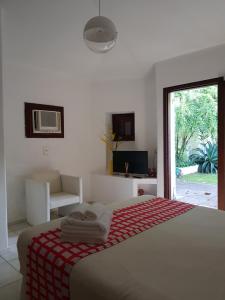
{"points": [[194, 143]]}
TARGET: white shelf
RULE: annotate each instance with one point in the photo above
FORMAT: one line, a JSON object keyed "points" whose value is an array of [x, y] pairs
{"points": [[112, 188]]}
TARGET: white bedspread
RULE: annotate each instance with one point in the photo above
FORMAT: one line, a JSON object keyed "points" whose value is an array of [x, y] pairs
{"points": [[181, 259]]}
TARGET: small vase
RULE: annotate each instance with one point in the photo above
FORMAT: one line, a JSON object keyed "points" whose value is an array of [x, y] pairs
{"points": [[110, 167]]}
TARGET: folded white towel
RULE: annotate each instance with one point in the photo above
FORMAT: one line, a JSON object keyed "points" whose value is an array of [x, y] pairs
{"points": [[79, 212], [99, 226], [94, 211], [86, 231], [89, 212], [80, 229]]}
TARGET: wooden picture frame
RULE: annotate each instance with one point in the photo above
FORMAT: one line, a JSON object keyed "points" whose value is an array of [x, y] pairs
{"points": [[123, 125], [43, 114]]}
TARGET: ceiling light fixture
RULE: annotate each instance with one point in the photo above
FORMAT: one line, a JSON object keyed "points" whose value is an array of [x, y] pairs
{"points": [[100, 33]]}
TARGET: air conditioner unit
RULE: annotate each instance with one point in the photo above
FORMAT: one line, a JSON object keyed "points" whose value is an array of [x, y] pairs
{"points": [[46, 121]]}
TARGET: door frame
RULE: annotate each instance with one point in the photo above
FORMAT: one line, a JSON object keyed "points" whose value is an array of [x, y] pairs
{"points": [[219, 81]]}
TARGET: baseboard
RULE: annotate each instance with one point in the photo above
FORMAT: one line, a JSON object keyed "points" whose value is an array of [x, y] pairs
{"points": [[17, 222]]}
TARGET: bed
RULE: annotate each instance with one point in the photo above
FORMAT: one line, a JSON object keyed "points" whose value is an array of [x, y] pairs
{"points": [[182, 258]]}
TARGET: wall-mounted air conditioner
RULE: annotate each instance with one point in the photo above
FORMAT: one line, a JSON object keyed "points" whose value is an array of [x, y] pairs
{"points": [[46, 121]]}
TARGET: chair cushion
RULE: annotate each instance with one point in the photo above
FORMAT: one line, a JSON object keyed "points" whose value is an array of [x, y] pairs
{"points": [[51, 176], [62, 199]]}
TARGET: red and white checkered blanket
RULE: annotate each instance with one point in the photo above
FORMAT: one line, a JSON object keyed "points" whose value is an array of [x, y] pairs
{"points": [[50, 261]]}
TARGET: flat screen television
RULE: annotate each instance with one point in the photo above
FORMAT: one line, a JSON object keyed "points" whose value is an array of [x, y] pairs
{"points": [[137, 160]]}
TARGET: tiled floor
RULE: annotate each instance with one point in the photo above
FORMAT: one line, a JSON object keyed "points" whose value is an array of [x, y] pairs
{"points": [[10, 278]]}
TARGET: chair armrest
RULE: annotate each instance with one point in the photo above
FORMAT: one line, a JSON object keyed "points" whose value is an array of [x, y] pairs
{"points": [[37, 201], [72, 185]]}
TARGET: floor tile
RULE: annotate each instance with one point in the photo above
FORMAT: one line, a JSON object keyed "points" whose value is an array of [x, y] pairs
{"points": [[19, 227], [12, 238], [11, 291], [1, 260], [10, 253], [8, 274], [15, 263]]}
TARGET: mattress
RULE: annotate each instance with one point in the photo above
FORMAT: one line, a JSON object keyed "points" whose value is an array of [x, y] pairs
{"points": [[182, 258]]}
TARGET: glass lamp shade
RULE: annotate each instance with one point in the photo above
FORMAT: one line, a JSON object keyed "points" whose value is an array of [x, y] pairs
{"points": [[100, 34]]}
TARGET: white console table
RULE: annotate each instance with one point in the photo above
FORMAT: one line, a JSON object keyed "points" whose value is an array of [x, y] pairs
{"points": [[111, 188]]}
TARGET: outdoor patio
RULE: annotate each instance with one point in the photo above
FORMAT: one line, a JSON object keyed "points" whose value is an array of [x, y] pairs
{"points": [[197, 193]]}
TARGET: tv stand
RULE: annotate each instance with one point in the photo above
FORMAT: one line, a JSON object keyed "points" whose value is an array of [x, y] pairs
{"points": [[111, 188]]}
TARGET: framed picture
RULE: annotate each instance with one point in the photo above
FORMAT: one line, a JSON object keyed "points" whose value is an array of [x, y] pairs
{"points": [[44, 121], [123, 127]]}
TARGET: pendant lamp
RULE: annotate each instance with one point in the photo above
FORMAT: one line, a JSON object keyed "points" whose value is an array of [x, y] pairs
{"points": [[100, 33]]}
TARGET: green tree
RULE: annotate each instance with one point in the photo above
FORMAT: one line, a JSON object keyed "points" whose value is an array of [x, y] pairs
{"points": [[196, 118]]}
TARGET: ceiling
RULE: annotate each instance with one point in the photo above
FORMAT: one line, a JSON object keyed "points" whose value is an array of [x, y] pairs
{"points": [[48, 34]]}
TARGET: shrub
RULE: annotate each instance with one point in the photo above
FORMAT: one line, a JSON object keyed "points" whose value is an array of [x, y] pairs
{"points": [[183, 161], [206, 157]]}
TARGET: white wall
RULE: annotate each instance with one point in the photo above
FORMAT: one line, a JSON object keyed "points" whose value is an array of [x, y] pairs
{"points": [[46, 61], [151, 116], [3, 203], [119, 96], [23, 156], [201, 65], [86, 106], [38, 69]]}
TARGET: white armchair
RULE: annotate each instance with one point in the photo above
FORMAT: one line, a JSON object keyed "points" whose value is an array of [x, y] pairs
{"points": [[48, 190]]}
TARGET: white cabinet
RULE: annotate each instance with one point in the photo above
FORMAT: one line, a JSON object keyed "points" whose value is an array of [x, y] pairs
{"points": [[107, 188]]}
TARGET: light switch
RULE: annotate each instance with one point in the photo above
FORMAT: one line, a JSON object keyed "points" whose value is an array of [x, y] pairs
{"points": [[45, 150]]}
